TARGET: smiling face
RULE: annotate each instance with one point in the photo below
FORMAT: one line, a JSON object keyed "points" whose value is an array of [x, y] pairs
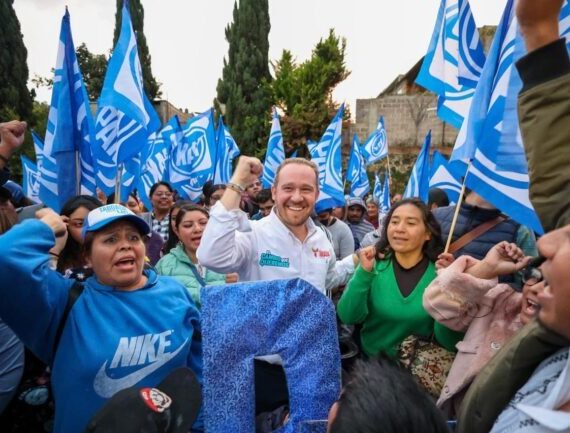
{"points": [[407, 231], [372, 210], [295, 194], [530, 306], [190, 230], [117, 256], [555, 298], [161, 199]]}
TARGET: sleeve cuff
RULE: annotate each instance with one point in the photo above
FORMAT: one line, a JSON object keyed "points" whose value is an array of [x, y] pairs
{"points": [[544, 64]]}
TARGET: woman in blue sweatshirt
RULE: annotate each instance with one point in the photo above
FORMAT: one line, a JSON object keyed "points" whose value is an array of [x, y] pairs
{"points": [[128, 326]]}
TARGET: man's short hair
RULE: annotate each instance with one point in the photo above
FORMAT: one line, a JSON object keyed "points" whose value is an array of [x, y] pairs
{"points": [[382, 397], [438, 197], [264, 195], [300, 161]]}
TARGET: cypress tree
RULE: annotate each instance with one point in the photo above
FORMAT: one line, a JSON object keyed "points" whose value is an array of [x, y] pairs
{"points": [[151, 86], [243, 92], [15, 98]]}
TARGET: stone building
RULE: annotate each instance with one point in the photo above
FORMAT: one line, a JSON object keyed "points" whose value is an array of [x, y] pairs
{"points": [[164, 109]]}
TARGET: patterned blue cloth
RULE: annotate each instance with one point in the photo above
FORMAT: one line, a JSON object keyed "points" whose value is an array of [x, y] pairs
{"points": [[286, 317]]}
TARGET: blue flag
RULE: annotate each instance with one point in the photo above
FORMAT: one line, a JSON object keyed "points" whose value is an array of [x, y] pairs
{"points": [[69, 131], [275, 153], [445, 178], [356, 171], [418, 185], [227, 151], [378, 189], [30, 179], [193, 161], [125, 116], [487, 134], [376, 145], [454, 61], [154, 167], [327, 155], [384, 202]]}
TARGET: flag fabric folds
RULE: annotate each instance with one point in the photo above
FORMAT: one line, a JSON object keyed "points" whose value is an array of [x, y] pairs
{"points": [[490, 135], [378, 189], [327, 155], [125, 116], [154, 168], [227, 150], [69, 134], [193, 161], [275, 153], [445, 178], [384, 203], [30, 179], [356, 171], [376, 145], [454, 61], [418, 184]]}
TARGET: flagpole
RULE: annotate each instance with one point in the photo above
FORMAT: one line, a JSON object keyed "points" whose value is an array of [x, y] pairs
{"points": [[388, 164], [118, 184], [457, 207], [77, 173]]}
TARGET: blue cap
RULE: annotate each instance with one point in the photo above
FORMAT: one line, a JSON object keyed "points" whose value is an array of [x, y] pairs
{"points": [[105, 215]]}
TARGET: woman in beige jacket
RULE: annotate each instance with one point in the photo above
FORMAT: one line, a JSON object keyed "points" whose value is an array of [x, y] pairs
{"points": [[465, 297]]}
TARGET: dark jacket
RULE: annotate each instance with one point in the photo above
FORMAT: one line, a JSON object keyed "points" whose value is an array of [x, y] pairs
{"points": [[470, 217]]}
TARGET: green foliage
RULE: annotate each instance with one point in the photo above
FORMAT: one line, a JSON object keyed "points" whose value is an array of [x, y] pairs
{"points": [[244, 92], [151, 85], [93, 67], [15, 98], [304, 92]]}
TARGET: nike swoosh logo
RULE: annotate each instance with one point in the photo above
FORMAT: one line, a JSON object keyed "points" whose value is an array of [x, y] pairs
{"points": [[107, 387]]}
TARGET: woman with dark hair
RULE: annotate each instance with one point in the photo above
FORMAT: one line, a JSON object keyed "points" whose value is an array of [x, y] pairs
{"points": [[162, 198], [181, 262], [385, 293], [172, 236], [70, 260], [127, 326], [212, 193]]}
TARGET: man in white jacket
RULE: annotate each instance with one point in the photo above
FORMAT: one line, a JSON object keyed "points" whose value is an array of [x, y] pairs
{"points": [[285, 244]]}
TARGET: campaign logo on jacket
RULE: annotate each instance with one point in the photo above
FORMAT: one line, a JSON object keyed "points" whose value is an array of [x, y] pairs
{"points": [[142, 355], [269, 259]]}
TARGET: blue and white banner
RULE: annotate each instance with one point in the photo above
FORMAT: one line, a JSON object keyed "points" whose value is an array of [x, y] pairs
{"points": [[454, 61], [327, 156], [155, 166], [418, 184], [384, 203], [445, 178], [378, 189], [69, 132], [125, 116], [275, 153], [227, 151], [193, 161], [376, 145], [499, 171], [356, 171], [30, 179]]}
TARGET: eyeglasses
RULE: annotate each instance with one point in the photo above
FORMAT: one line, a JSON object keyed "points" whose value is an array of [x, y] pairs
{"points": [[163, 194], [531, 274]]}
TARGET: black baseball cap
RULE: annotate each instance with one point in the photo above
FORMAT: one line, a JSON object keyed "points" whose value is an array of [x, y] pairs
{"points": [[171, 407]]}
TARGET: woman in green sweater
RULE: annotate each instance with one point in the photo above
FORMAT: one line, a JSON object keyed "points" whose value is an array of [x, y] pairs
{"points": [[385, 293], [181, 262]]}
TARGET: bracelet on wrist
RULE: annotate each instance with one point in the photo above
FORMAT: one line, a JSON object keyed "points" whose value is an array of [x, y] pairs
{"points": [[235, 187], [54, 254]]}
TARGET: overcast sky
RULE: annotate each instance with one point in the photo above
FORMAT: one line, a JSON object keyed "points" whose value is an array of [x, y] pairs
{"points": [[187, 44]]}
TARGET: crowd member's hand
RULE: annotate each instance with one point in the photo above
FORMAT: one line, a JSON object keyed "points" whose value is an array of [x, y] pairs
{"points": [[444, 260], [503, 259], [53, 220], [232, 278], [11, 137], [60, 241], [538, 21], [247, 171], [366, 257]]}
